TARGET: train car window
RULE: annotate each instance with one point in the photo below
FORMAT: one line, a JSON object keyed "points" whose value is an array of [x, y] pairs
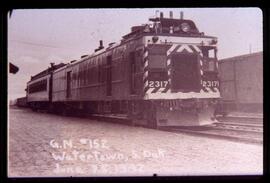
{"points": [[38, 86]]}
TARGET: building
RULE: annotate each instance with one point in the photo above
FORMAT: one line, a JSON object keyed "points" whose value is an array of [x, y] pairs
{"points": [[241, 82]]}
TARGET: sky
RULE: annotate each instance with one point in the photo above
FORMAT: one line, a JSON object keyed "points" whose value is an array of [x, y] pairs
{"points": [[37, 37]]}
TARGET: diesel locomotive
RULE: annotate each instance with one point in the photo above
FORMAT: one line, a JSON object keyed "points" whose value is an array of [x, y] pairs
{"points": [[164, 73]]}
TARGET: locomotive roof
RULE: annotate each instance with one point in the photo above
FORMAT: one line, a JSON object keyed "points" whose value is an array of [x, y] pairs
{"points": [[104, 50], [138, 32], [165, 23]]}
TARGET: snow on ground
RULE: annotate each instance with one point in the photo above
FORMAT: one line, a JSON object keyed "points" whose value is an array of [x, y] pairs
{"points": [[42, 145]]}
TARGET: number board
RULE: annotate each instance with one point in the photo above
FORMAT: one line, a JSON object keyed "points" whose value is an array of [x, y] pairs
{"points": [[210, 84], [158, 84]]}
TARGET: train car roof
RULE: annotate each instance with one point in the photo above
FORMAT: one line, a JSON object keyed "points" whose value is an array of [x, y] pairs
{"points": [[47, 71], [99, 52]]}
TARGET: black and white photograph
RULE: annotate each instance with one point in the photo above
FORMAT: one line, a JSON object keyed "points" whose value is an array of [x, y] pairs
{"points": [[122, 92]]}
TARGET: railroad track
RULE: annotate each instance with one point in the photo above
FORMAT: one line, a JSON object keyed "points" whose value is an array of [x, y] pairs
{"points": [[234, 132], [241, 119], [239, 126], [251, 132], [248, 132]]}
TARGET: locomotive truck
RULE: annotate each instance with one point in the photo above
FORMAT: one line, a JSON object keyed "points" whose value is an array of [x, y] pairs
{"points": [[164, 73]]}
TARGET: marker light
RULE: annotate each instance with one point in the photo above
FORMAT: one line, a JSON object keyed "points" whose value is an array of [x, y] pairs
{"points": [[146, 28], [214, 41]]}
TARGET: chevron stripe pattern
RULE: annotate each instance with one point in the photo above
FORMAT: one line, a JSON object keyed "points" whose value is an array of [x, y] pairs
{"points": [[145, 70], [175, 48]]}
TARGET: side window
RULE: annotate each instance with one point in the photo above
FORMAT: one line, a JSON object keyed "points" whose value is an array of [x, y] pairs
{"points": [[209, 61], [205, 52], [38, 86], [139, 60], [211, 53]]}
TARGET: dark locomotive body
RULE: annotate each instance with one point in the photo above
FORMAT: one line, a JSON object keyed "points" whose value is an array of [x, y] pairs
{"points": [[21, 102], [158, 75]]}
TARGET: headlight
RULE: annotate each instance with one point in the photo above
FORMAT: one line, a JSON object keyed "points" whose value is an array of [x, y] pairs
{"points": [[154, 39], [185, 27]]}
